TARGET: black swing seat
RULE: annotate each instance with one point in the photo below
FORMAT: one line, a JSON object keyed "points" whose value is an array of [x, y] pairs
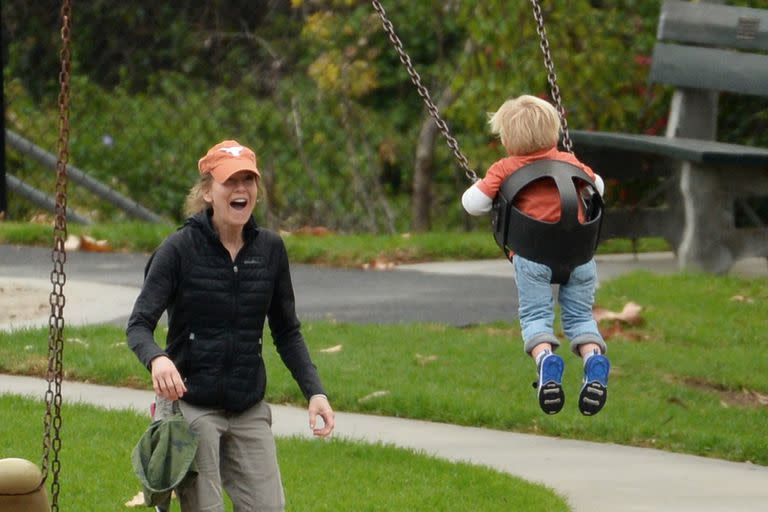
{"points": [[21, 487], [561, 245]]}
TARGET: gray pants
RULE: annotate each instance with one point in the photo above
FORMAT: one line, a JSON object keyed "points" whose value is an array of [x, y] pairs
{"points": [[236, 453]]}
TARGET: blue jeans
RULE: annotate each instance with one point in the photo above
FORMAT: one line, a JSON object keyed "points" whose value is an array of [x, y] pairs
{"points": [[537, 305]]}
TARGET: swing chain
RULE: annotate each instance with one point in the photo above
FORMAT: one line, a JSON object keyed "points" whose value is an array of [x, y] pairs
{"points": [[58, 277], [551, 76], [422, 90]]}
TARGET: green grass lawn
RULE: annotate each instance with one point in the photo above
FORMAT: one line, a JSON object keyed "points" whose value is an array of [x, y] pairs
{"points": [[96, 472], [333, 249], [693, 377]]}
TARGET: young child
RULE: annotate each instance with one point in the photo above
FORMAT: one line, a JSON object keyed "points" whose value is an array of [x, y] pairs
{"points": [[529, 129]]}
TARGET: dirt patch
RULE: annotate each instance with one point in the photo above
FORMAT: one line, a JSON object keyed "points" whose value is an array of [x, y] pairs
{"points": [[728, 397], [19, 303]]}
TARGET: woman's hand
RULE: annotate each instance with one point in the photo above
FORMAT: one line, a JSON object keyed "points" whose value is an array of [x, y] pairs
{"points": [[320, 406], [166, 379]]}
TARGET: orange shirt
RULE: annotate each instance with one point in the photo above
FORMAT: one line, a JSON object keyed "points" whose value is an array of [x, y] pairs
{"points": [[540, 199]]}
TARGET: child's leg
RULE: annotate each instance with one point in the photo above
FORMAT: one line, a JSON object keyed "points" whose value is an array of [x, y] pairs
{"points": [[586, 350], [537, 317], [576, 299], [536, 306], [539, 350]]}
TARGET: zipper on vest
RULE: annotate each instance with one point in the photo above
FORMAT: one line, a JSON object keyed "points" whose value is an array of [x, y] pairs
{"points": [[232, 332]]}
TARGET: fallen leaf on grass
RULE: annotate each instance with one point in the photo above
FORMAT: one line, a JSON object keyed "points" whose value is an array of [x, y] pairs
{"points": [[86, 243], [42, 218], [313, 231], [375, 394], [72, 243], [136, 501], [92, 245], [425, 360], [760, 398], [616, 328], [78, 341], [379, 264], [331, 350], [630, 314]]}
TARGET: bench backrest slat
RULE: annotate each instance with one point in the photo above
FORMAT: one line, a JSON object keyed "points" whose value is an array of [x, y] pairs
{"points": [[715, 25], [710, 68], [711, 47]]}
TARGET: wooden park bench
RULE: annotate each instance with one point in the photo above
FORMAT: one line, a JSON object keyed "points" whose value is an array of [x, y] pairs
{"points": [[702, 49]]}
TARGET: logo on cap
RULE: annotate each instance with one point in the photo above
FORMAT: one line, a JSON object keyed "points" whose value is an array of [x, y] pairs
{"points": [[234, 151]]}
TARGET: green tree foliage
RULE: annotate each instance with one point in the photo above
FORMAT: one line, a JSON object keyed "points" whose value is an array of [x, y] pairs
{"points": [[316, 89]]}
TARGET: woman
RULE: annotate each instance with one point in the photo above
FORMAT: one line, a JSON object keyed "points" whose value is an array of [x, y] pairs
{"points": [[219, 277]]}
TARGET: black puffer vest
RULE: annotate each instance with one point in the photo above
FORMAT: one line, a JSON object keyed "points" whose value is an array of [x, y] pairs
{"points": [[216, 314]]}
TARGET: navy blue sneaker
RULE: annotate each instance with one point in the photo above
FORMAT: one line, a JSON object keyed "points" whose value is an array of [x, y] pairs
{"points": [[594, 391], [550, 384]]}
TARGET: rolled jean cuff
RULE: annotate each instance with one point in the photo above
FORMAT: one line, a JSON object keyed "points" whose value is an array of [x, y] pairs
{"points": [[586, 339], [542, 337]]}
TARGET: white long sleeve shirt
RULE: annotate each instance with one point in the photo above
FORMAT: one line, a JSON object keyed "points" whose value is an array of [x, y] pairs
{"points": [[475, 202]]}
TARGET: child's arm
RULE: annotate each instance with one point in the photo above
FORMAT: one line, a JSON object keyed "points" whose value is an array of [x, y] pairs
{"points": [[599, 185], [475, 202]]}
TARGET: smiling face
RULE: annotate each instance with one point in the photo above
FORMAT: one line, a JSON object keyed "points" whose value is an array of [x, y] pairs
{"points": [[234, 200]]}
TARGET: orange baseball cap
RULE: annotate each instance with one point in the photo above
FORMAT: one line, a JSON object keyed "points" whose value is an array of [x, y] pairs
{"points": [[226, 158]]}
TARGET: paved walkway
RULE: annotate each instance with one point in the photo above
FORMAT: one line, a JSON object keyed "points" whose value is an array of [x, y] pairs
{"points": [[608, 266], [593, 477]]}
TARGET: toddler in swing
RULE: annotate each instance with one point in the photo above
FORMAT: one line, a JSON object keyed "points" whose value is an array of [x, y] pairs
{"points": [[529, 129]]}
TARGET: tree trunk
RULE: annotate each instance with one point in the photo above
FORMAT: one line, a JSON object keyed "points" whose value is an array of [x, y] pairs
{"points": [[421, 205]]}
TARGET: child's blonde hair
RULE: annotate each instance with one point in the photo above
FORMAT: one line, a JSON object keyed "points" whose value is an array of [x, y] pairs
{"points": [[195, 201], [526, 124]]}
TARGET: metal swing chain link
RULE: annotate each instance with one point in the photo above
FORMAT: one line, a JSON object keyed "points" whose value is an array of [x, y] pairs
{"points": [[58, 277], [551, 76], [423, 92]]}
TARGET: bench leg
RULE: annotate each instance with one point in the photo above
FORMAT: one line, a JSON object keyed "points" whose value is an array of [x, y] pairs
{"points": [[709, 221]]}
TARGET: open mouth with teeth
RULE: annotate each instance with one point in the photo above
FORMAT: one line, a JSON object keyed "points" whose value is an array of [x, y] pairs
{"points": [[238, 204]]}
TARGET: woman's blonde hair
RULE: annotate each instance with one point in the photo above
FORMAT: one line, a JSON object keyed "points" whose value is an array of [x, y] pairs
{"points": [[195, 202], [526, 124]]}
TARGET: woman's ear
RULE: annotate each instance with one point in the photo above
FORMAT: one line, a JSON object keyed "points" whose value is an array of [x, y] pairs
{"points": [[207, 196]]}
